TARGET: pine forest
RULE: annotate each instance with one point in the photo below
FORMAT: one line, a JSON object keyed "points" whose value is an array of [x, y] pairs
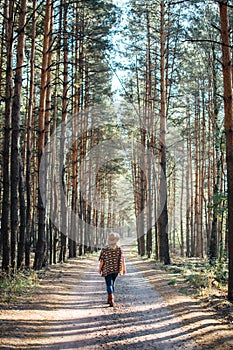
{"points": [[116, 116]]}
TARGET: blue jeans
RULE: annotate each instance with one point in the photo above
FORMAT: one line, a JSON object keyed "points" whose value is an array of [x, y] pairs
{"points": [[110, 282]]}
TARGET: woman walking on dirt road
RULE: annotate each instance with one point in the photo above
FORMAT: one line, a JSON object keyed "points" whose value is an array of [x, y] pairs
{"points": [[111, 263]]}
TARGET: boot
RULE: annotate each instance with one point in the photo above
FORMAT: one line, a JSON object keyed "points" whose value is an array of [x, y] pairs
{"points": [[111, 299]]}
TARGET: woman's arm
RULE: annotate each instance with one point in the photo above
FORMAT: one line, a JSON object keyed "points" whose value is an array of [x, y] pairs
{"points": [[101, 263], [123, 266]]}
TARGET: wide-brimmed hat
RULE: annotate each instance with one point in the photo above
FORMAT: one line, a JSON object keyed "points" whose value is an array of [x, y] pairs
{"points": [[113, 238]]}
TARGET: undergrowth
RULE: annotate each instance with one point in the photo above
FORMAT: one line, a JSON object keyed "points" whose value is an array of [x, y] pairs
{"points": [[20, 284], [200, 275]]}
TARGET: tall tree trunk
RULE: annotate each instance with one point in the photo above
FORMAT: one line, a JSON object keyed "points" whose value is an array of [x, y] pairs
{"points": [[142, 191], [21, 187], [74, 225], [8, 22], [213, 244], [149, 128], [22, 229], [228, 123], [197, 208], [48, 107], [216, 232], [187, 224], [136, 187], [15, 152], [40, 245], [181, 205], [163, 219], [55, 199], [64, 225], [29, 142]]}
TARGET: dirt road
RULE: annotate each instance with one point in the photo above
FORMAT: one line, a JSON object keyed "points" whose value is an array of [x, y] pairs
{"points": [[72, 313]]}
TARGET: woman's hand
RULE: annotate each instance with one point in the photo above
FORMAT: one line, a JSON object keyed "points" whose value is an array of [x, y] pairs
{"points": [[123, 271]]}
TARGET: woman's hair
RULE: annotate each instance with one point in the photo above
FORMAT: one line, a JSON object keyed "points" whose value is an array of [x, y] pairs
{"points": [[113, 246]]}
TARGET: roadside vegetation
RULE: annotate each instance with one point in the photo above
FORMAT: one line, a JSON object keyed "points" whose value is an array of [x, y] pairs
{"points": [[14, 288]]}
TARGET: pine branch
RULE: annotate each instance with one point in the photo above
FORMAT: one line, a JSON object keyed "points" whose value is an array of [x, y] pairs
{"points": [[208, 41]]}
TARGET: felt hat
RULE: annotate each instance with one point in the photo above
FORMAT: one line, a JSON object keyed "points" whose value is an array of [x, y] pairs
{"points": [[113, 238]]}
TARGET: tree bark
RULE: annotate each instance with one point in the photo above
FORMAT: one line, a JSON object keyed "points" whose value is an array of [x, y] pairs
{"points": [[29, 142], [64, 224], [163, 219], [228, 124], [40, 246], [15, 153], [149, 127], [8, 22], [197, 201]]}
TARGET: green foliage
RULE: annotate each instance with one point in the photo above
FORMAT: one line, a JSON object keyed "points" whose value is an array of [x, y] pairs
{"points": [[221, 272], [172, 282], [200, 280], [219, 202], [20, 284], [200, 275]]}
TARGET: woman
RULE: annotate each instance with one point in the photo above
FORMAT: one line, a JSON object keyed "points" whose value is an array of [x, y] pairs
{"points": [[111, 263]]}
